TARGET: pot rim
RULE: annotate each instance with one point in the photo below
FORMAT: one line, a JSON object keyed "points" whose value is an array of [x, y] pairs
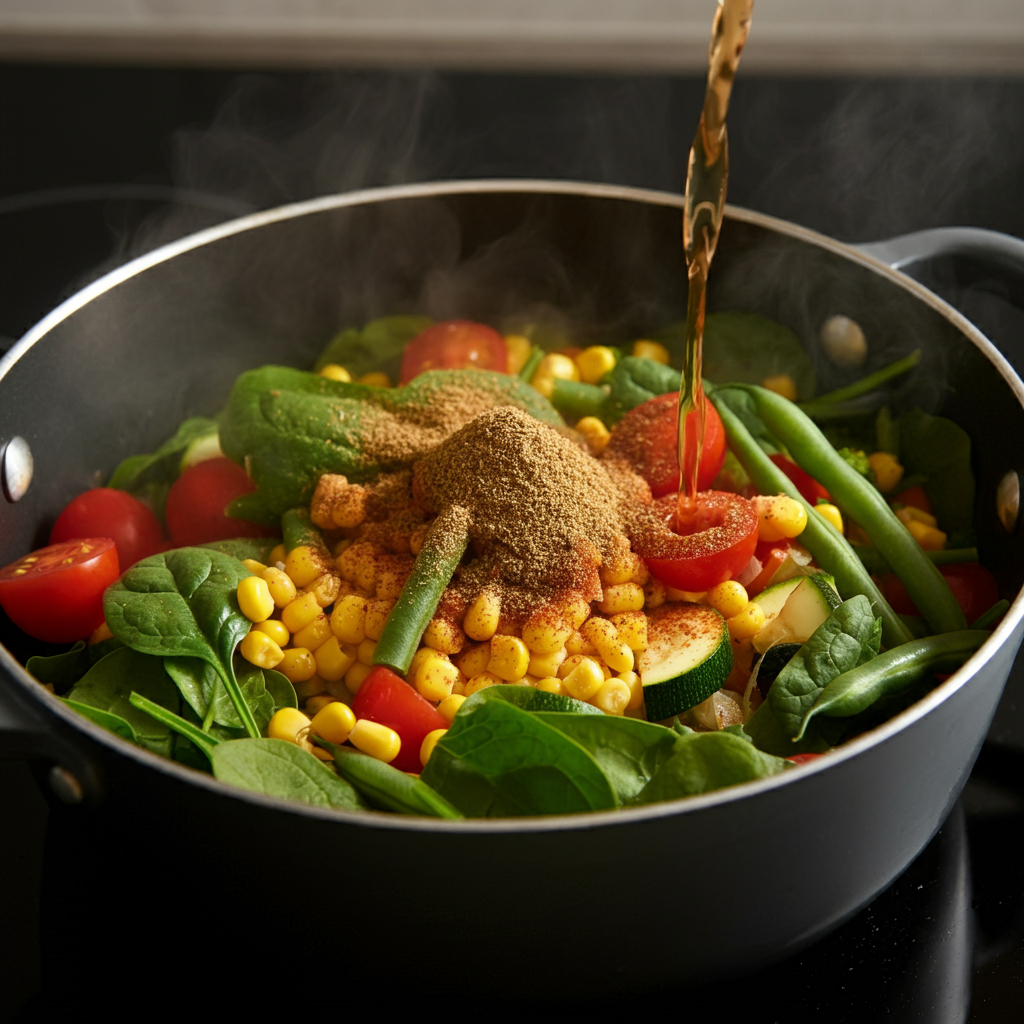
{"points": [[597, 819]]}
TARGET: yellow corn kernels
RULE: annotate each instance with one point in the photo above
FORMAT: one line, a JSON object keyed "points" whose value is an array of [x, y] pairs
{"points": [[288, 724], [375, 379], [428, 744], [632, 630], [480, 681], [102, 632], [551, 684], [303, 565], [473, 660], [781, 384], [333, 660], [555, 364], [594, 362], [748, 622], [297, 665], [256, 568], [542, 665], [643, 348], [636, 690], [929, 537], [332, 371], [509, 659], [365, 651], [277, 554], [546, 631], [325, 589], [449, 707], [275, 629], [258, 649], [422, 655], [613, 697], [655, 594], [348, 508], [311, 687], [348, 620], [282, 588], [595, 433], [779, 516], [375, 739], [518, 348], [888, 472], [576, 608], [605, 637], [254, 599], [300, 612], [334, 722], [729, 598], [584, 680], [358, 564], [435, 678], [623, 597], [390, 583], [578, 644], [312, 635], [481, 621], [830, 514], [355, 675], [909, 514], [314, 705], [445, 636], [377, 613]]}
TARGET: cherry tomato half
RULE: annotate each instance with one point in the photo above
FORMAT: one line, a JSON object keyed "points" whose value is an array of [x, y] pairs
{"points": [[973, 586], [710, 545], [197, 500], [108, 512], [388, 699], [455, 345], [56, 593], [646, 438], [808, 487]]}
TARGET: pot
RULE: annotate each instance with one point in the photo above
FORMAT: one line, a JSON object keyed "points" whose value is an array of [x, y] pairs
{"points": [[599, 903]]}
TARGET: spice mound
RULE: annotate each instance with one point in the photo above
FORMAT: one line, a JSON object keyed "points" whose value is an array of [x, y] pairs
{"points": [[541, 509]]}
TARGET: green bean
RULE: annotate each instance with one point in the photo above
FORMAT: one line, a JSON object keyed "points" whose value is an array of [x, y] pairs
{"points": [[865, 384], [531, 364], [892, 672], [988, 619], [877, 565], [574, 399], [829, 548], [860, 501]]}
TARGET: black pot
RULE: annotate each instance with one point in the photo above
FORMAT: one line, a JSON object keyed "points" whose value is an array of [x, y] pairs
{"points": [[151, 866]]}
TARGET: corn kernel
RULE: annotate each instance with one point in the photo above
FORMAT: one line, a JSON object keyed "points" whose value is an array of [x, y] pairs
{"points": [[542, 665], [303, 565], [100, 633], [300, 612], [390, 583], [584, 680], [256, 568], [417, 537], [358, 564], [449, 707], [377, 613], [779, 516], [314, 634], [636, 690], [509, 659], [332, 371], [375, 739], [518, 347], [908, 513], [428, 744], [613, 697], [277, 554], [747, 622], [481, 621], [435, 678], [577, 644], [348, 620], [297, 665], [572, 662], [422, 655], [632, 629], [473, 660], [445, 636], [623, 597], [555, 364], [546, 631], [325, 589], [375, 379], [348, 509], [576, 608], [355, 676], [693, 596], [888, 472], [643, 348], [280, 585], [605, 637], [316, 704], [254, 599], [655, 594], [311, 687], [619, 567], [930, 538], [551, 684], [480, 681], [729, 598], [334, 722], [288, 724], [332, 660], [782, 384], [594, 362], [275, 629], [365, 652], [830, 514], [258, 649], [595, 433]]}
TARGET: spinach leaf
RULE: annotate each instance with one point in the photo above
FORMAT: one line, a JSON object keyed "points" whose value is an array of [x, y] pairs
{"points": [[378, 346], [849, 637], [108, 685], [282, 769], [199, 683], [183, 604], [60, 670], [499, 761], [161, 466], [939, 450], [182, 727], [635, 380], [107, 719], [387, 788], [701, 762], [257, 548]]}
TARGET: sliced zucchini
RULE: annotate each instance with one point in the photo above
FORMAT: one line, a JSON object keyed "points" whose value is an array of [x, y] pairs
{"points": [[794, 609], [688, 658], [202, 448]]}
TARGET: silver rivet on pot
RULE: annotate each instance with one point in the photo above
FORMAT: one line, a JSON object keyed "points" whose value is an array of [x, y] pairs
{"points": [[1008, 500], [65, 785], [16, 468]]}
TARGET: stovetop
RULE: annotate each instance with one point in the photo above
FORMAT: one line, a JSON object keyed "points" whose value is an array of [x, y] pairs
{"points": [[101, 163]]}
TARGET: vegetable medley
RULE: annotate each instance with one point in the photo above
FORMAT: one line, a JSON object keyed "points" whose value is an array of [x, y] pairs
{"points": [[479, 593]]}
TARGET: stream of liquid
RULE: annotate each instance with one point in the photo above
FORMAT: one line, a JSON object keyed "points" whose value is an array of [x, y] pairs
{"points": [[706, 177]]}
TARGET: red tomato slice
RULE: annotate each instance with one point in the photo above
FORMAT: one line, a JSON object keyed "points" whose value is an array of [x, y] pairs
{"points": [[388, 699], [108, 512], [808, 487], [711, 545], [646, 438], [197, 500], [56, 593], [455, 345], [973, 586]]}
